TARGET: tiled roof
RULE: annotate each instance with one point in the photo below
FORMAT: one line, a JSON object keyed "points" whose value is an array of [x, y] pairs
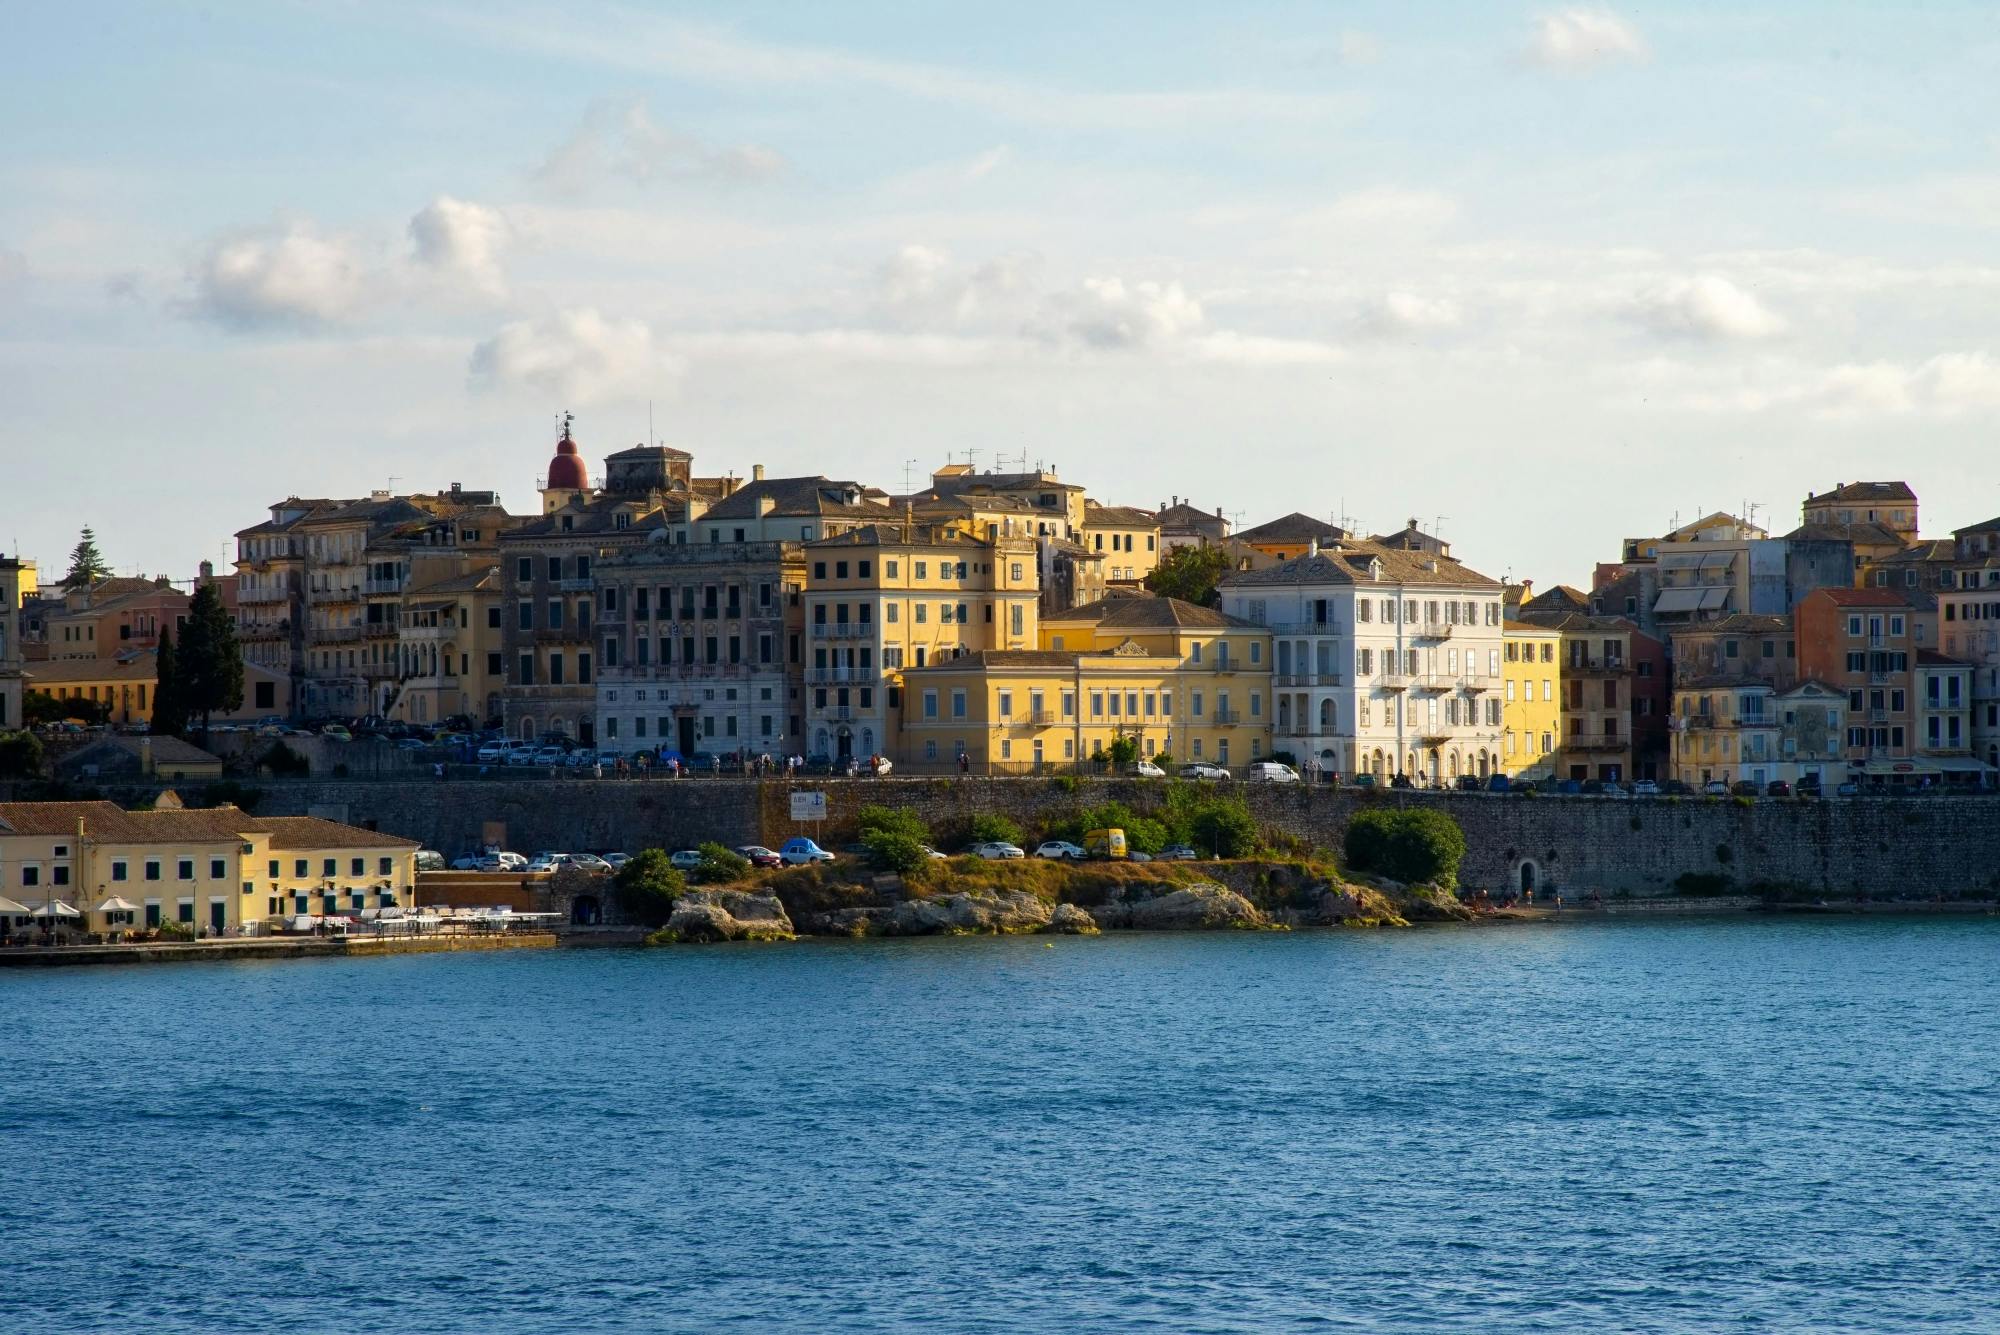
{"points": [[650, 452], [109, 822], [134, 668], [303, 832], [1737, 623], [164, 750], [1128, 613], [1578, 622], [1919, 552], [1862, 492], [1118, 516], [1348, 562], [1932, 658], [1862, 597], [1527, 627], [1560, 597], [1294, 527], [1859, 531], [892, 535], [1986, 527], [792, 497]]}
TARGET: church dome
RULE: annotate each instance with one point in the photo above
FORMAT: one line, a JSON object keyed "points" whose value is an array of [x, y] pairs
{"points": [[566, 470]]}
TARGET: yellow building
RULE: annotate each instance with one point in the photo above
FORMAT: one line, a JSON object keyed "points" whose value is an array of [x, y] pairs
{"points": [[885, 598], [1222, 669], [123, 686], [1025, 710], [1289, 536], [1128, 539], [1531, 707], [214, 870]]}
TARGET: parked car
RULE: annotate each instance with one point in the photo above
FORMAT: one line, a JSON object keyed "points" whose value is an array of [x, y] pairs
{"points": [[1145, 769], [470, 862], [1201, 769], [1677, 788], [616, 860], [589, 862], [548, 862], [1060, 849], [503, 862], [1743, 788], [548, 755], [1645, 788], [1136, 856], [1848, 789], [1499, 783], [1593, 787], [411, 744], [760, 856], [685, 859], [1467, 783], [798, 851], [1271, 771], [1569, 787], [1364, 781], [1809, 787], [338, 732], [429, 859], [490, 752], [1178, 853], [1715, 788], [997, 851], [932, 853], [1779, 788]]}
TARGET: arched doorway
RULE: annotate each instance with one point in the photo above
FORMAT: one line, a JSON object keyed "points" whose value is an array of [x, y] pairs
{"points": [[585, 911], [1529, 875], [844, 740], [1379, 766], [528, 728]]}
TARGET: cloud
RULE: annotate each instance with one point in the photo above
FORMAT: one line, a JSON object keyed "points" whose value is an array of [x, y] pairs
{"points": [[1580, 39], [1111, 314], [1397, 313], [1357, 48], [919, 283], [576, 355], [620, 138], [13, 270], [286, 277], [1234, 349], [1707, 307], [461, 240], [1945, 385]]}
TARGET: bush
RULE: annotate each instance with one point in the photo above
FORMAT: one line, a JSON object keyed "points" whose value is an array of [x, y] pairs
{"points": [[1704, 883], [1163, 760], [1124, 751], [889, 850], [1414, 845], [1142, 833], [645, 888], [988, 828], [284, 762], [20, 755], [1226, 829], [720, 865], [891, 820], [169, 930]]}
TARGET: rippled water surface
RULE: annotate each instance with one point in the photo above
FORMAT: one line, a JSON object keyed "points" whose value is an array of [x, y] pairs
{"points": [[1651, 1127]]}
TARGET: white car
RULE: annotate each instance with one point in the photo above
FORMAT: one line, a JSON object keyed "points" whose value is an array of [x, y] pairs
{"points": [[470, 862], [589, 862], [550, 755], [933, 854], [1271, 771], [1060, 849], [519, 755], [1645, 788], [503, 862], [996, 851], [686, 859], [1201, 769], [1145, 769]]}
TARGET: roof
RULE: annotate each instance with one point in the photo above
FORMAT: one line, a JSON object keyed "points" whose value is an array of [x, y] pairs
{"points": [[945, 483], [649, 452], [301, 832], [1932, 658], [1181, 515], [1986, 527], [1560, 597], [1118, 516], [51, 671], [1128, 613], [1294, 527], [1737, 623], [1862, 597], [1000, 658], [164, 750], [1580, 623], [1921, 551], [795, 496], [1349, 562], [1862, 492], [893, 535], [1511, 626], [1860, 531]]}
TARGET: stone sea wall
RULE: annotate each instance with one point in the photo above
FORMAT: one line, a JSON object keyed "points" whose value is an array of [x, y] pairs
{"points": [[1885, 846]]}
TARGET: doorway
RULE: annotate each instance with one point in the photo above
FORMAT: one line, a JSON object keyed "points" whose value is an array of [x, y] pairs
{"points": [[686, 726], [1527, 878]]}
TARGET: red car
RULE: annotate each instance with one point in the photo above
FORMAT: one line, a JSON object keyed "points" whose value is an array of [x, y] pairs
{"points": [[760, 856]]}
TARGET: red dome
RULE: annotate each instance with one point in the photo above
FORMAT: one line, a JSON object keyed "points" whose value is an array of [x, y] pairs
{"points": [[566, 470]]}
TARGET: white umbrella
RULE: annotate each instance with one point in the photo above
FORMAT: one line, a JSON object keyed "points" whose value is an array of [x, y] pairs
{"points": [[116, 904], [57, 909], [8, 906]]}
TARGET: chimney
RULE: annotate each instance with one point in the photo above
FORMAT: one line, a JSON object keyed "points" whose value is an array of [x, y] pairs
{"points": [[1312, 548], [756, 472], [765, 505]]}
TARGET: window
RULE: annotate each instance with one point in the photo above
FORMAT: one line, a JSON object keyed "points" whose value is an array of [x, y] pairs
{"points": [[217, 869], [152, 869], [958, 704]]}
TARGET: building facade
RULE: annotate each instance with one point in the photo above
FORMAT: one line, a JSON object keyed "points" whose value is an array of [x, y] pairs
{"points": [[1531, 706]]}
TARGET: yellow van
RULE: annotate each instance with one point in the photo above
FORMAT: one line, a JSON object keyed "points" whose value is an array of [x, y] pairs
{"points": [[1105, 844]]}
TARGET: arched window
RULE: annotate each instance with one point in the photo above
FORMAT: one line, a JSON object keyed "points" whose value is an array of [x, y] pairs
{"points": [[528, 729], [1326, 715]]}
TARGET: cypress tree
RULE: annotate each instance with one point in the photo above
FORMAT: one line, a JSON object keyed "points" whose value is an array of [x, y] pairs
{"points": [[210, 659], [86, 563], [169, 705]]}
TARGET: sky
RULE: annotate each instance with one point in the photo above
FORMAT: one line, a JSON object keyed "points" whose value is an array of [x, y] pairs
{"points": [[1543, 278]]}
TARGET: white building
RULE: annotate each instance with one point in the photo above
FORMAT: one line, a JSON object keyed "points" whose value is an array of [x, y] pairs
{"points": [[1385, 662]]}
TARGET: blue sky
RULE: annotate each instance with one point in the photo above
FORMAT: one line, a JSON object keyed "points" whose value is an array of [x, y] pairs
{"points": [[1556, 274]]}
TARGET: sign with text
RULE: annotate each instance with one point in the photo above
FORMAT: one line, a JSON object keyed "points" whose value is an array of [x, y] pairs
{"points": [[808, 806]]}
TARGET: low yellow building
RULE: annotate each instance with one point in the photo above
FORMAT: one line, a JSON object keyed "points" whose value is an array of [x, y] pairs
{"points": [[1178, 680], [1531, 705], [213, 870], [123, 686]]}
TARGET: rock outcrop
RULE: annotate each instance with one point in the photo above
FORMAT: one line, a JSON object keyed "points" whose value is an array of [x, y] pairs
{"points": [[1201, 906], [1069, 920], [728, 915], [955, 914]]}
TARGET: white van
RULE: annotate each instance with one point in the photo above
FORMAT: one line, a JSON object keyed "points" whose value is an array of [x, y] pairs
{"points": [[1271, 771]]}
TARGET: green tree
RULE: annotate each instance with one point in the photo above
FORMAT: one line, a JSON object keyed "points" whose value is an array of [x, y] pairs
{"points": [[645, 888], [1226, 829], [41, 707], [1415, 844], [892, 820], [210, 661], [86, 563], [284, 762], [170, 715], [20, 755], [1123, 751], [720, 865], [1190, 574], [990, 828], [892, 850]]}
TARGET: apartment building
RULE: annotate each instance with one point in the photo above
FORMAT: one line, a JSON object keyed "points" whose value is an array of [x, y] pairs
{"points": [[1531, 715], [1127, 540], [1864, 643], [1387, 660], [701, 648], [1290, 535], [889, 597], [1615, 696], [1744, 729], [1184, 524], [1969, 626]]}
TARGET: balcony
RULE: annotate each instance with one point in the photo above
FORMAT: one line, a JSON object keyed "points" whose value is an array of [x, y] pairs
{"points": [[1039, 718], [350, 593], [1595, 741], [1598, 666], [1223, 718], [1434, 682], [381, 586], [562, 635], [1434, 630], [842, 676], [333, 634], [1479, 681], [584, 585], [1291, 628], [843, 630], [1393, 681], [1308, 679]]}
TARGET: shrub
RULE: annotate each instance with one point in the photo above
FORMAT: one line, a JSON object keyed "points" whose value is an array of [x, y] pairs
{"points": [[284, 762], [720, 865], [1226, 829], [645, 888], [20, 755], [1704, 883], [1163, 759], [1063, 783], [1124, 751], [889, 850], [1142, 833], [990, 828], [1416, 844], [170, 930], [891, 820], [1725, 854]]}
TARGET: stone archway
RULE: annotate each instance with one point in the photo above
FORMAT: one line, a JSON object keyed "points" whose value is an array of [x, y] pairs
{"points": [[1529, 877]]}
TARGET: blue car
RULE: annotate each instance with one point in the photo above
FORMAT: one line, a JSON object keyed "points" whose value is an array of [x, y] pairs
{"points": [[798, 852]]}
